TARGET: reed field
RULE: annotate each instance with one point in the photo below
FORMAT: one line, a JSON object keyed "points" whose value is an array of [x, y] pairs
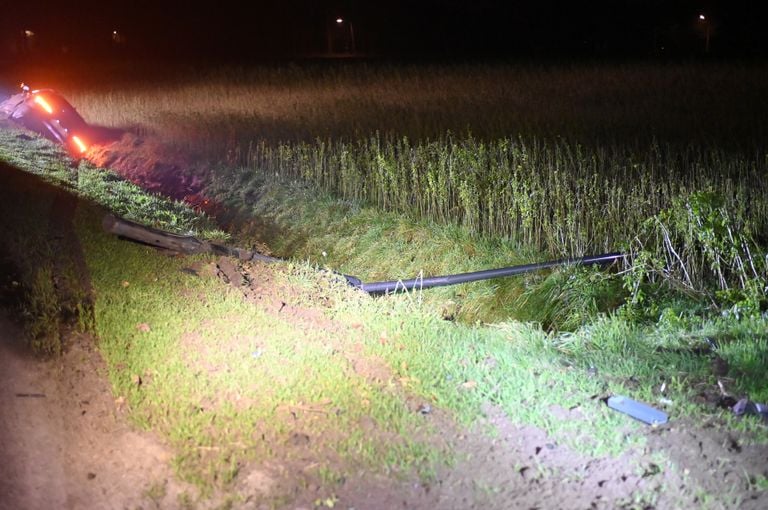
{"points": [[564, 160], [715, 104]]}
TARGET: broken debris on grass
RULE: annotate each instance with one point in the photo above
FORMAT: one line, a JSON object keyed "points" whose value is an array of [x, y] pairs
{"points": [[746, 407], [637, 410]]}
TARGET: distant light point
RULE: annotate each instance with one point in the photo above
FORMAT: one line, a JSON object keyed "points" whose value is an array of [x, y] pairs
{"points": [[339, 20], [702, 17]]}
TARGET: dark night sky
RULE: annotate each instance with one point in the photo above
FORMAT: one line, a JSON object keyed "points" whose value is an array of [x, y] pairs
{"points": [[441, 28]]}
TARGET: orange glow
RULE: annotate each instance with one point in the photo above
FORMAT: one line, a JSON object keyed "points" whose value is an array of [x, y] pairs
{"points": [[80, 144], [43, 103]]}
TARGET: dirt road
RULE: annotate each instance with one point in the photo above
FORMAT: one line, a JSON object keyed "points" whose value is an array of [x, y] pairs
{"points": [[64, 442]]}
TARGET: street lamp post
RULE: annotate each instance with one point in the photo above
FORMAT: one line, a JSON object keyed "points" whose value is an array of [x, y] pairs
{"points": [[340, 21], [703, 19]]}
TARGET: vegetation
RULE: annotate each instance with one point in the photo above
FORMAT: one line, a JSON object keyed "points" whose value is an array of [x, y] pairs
{"points": [[47, 253], [221, 110], [558, 161], [558, 198], [37, 156], [228, 384], [388, 172]]}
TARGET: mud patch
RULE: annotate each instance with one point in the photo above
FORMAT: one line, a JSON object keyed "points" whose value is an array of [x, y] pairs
{"points": [[258, 283], [522, 467], [64, 440], [720, 461], [372, 368]]}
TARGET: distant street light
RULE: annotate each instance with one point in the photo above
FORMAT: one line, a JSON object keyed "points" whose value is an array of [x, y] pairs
{"points": [[26, 42], [340, 21], [703, 19], [118, 38]]}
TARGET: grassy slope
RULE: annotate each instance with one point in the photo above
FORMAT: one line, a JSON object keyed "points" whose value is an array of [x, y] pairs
{"points": [[217, 375], [373, 245]]}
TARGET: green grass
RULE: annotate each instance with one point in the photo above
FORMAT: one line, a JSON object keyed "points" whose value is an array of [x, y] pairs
{"points": [[761, 482], [213, 358], [40, 157], [186, 353], [374, 246]]}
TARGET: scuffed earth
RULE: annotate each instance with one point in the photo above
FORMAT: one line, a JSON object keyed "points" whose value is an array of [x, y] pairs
{"points": [[65, 440], [152, 165]]}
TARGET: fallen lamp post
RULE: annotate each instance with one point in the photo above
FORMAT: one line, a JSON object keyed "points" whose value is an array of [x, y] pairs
{"points": [[191, 245]]}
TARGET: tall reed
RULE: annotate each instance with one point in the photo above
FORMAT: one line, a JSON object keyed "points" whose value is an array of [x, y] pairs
{"points": [[554, 196], [565, 159]]}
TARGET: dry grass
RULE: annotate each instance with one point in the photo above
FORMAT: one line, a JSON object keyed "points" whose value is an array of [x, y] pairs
{"points": [[588, 104]]}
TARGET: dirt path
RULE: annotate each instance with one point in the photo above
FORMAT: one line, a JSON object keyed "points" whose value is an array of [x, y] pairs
{"points": [[64, 442]]}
